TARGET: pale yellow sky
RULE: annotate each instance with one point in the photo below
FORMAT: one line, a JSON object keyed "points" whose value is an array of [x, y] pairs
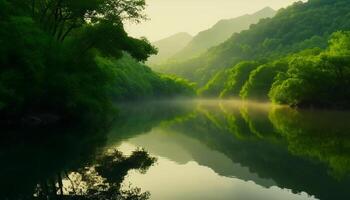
{"points": [[168, 17]]}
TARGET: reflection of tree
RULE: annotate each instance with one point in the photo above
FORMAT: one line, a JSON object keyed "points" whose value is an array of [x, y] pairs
{"points": [[222, 119], [49, 165], [318, 134], [52, 161], [244, 121], [266, 153], [74, 165], [138, 118], [259, 124], [103, 179]]}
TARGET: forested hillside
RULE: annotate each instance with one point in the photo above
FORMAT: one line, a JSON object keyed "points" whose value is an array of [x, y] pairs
{"points": [[168, 47], [310, 78], [220, 32], [61, 57], [295, 28]]}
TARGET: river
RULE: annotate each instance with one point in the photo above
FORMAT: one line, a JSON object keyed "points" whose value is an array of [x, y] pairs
{"points": [[189, 150]]}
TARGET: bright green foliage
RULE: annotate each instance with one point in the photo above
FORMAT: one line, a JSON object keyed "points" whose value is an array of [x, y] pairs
{"points": [[228, 83], [237, 77], [135, 81], [290, 88], [172, 86], [319, 80], [298, 27], [260, 80], [215, 85]]}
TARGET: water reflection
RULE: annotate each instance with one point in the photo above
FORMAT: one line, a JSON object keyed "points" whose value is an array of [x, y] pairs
{"points": [[271, 146], [322, 135], [204, 150], [103, 179]]}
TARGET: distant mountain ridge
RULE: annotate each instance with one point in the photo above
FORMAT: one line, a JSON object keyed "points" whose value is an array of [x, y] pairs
{"points": [[220, 32], [167, 47], [300, 26]]}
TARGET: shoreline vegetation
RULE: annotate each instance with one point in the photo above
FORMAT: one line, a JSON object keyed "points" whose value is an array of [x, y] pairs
{"points": [[313, 78], [307, 66]]}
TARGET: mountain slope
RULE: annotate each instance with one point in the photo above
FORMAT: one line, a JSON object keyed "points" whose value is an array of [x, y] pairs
{"points": [[300, 26], [220, 32], [167, 47]]}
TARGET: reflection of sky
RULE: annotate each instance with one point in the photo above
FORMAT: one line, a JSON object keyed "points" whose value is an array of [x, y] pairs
{"points": [[182, 149], [172, 16], [181, 173]]}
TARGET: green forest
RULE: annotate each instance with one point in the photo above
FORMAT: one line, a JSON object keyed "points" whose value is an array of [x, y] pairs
{"points": [[72, 58], [169, 99], [299, 57]]}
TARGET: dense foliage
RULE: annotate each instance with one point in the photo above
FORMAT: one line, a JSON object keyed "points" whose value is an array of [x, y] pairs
{"points": [[214, 85], [289, 72], [295, 28], [260, 80], [237, 78], [133, 80], [322, 80], [51, 54], [313, 77]]}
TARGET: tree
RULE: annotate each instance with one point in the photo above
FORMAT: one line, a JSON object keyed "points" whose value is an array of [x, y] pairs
{"points": [[238, 75], [48, 54], [320, 80]]}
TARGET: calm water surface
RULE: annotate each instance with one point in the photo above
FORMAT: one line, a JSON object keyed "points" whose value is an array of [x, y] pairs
{"points": [[192, 150]]}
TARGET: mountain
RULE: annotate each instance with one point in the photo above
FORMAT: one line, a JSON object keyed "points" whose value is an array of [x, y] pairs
{"points": [[292, 29], [167, 47], [220, 32]]}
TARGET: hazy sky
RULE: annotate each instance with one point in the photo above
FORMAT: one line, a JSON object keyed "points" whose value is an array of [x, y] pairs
{"points": [[168, 17]]}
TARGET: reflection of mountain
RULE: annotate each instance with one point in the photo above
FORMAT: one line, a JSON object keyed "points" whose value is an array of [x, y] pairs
{"points": [[182, 149], [169, 46], [264, 153], [220, 136]]}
